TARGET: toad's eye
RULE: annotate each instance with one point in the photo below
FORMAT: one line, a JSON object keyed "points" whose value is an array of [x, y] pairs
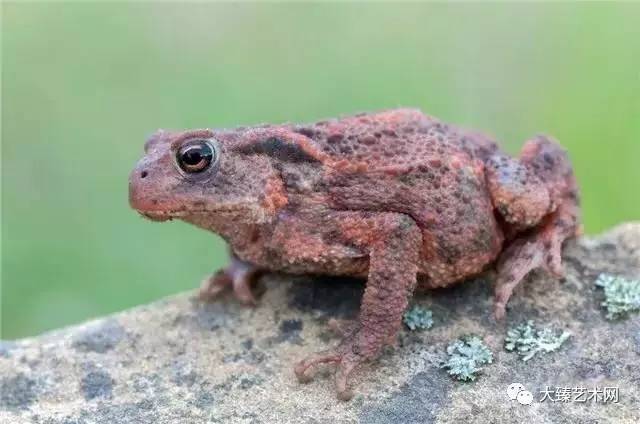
{"points": [[195, 156]]}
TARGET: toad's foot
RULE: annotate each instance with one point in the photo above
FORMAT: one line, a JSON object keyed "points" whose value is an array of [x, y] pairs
{"points": [[239, 275], [353, 351], [541, 249]]}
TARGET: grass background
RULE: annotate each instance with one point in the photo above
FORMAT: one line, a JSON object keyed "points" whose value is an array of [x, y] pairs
{"points": [[83, 84]]}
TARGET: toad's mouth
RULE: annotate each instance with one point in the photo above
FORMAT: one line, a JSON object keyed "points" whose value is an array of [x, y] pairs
{"points": [[159, 216], [162, 215]]}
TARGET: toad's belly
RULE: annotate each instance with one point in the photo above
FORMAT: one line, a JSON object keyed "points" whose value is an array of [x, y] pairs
{"points": [[452, 254], [443, 260]]}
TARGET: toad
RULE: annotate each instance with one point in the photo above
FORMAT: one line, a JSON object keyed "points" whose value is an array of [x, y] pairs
{"points": [[397, 197]]}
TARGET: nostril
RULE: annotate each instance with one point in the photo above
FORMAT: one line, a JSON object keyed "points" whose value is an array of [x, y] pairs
{"points": [[144, 174]]}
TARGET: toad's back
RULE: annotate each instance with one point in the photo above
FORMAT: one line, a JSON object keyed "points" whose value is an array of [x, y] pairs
{"points": [[407, 162], [396, 138]]}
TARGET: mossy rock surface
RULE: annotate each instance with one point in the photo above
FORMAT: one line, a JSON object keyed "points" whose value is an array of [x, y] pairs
{"points": [[178, 360]]}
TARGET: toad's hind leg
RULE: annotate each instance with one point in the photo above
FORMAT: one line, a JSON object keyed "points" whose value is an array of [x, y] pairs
{"points": [[540, 246]]}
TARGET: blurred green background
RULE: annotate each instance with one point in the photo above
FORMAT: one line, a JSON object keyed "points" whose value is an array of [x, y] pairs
{"points": [[83, 85]]}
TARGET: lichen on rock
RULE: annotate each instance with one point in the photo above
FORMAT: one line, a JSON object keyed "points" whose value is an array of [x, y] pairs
{"points": [[527, 340], [622, 296], [418, 318], [467, 357]]}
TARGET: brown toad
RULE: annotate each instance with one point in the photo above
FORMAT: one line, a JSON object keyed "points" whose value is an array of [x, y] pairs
{"points": [[398, 197]]}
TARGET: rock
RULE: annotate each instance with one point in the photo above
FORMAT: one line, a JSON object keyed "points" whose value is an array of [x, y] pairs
{"points": [[101, 337], [179, 360]]}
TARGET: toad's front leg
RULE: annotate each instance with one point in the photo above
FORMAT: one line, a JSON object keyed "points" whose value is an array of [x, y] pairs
{"points": [[238, 275], [393, 242]]}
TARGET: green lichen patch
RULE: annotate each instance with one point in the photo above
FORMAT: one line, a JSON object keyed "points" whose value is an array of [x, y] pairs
{"points": [[621, 296], [527, 340], [418, 318], [467, 356]]}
